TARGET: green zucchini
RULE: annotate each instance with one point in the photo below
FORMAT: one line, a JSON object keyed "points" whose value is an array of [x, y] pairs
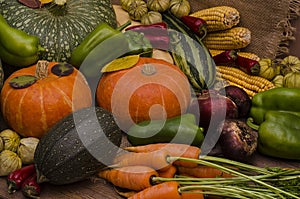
{"points": [[190, 54], [77, 146]]}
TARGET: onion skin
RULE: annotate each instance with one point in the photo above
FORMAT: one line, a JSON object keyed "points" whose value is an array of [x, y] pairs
{"points": [[238, 141]]}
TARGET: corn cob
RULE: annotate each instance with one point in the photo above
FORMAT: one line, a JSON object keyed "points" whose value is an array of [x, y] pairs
{"points": [[218, 17], [251, 84], [249, 55], [215, 52], [234, 38]]}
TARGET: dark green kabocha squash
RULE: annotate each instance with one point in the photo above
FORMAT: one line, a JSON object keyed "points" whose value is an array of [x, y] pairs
{"points": [[77, 146], [60, 27]]}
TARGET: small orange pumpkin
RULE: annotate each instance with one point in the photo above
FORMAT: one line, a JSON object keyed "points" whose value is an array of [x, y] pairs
{"points": [[151, 89], [32, 110]]}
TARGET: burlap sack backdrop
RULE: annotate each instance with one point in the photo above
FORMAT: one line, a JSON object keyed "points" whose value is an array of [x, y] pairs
{"points": [[268, 20]]}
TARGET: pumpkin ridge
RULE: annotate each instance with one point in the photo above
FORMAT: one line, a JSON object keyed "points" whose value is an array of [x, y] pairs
{"points": [[66, 98], [19, 115], [43, 118], [4, 100]]}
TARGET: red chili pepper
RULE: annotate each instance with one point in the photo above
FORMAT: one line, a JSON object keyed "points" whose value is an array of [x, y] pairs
{"points": [[196, 24], [30, 187], [17, 177], [247, 65], [157, 34], [227, 57]]}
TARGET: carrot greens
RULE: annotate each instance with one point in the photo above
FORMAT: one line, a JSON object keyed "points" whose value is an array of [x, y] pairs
{"points": [[248, 181]]}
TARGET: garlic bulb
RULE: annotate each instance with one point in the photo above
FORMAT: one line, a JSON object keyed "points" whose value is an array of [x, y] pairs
{"points": [[292, 80], [9, 162], [268, 69], [1, 144], [180, 8], [158, 5], [151, 18], [27, 148], [290, 64], [137, 9], [125, 4], [11, 139], [278, 81]]}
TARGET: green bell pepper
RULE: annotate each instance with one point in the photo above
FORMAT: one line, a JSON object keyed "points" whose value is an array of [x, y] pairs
{"points": [[278, 135], [18, 48], [278, 99], [102, 32], [181, 129]]}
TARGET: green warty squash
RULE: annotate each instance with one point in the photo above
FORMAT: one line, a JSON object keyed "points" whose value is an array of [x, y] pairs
{"points": [[77, 146], [60, 27]]}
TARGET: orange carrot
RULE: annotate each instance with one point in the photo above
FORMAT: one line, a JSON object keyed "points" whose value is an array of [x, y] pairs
{"points": [[191, 195], [134, 178], [174, 149], [156, 159], [165, 190], [202, 171], [169, 173]]}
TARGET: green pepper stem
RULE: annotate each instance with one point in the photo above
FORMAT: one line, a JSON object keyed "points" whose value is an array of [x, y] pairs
{"points": [[41, 49], [251, 124], [120, 28]]}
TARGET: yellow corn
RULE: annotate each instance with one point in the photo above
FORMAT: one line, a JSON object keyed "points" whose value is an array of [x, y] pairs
{"points": [[249, 55], [251, 84], [218, 17], [215, 52], [234, 38]]}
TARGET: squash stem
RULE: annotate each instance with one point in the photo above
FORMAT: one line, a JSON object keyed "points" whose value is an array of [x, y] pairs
{"points": [[148, 69], [123, 26], [41, 70]]}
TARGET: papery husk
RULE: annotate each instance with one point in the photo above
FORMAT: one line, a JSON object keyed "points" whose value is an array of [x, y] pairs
{"points": [[268, 69], [180, 8], [292, 80], [137, 9], [11, 139], [151, 18], [9, 162], [27, 148], [1, 144], [158, 5], [278, 81], [290, 64]]}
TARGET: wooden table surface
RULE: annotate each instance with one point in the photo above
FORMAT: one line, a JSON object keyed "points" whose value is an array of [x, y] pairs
{"points": [[100, 189]]}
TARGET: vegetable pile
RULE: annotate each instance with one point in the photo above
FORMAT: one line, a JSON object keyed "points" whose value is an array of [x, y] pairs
{"points": [[208, 176], [177, 87]]}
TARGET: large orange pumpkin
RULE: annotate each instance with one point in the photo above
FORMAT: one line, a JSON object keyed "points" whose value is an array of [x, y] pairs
{"points": [[32, 110], [151, 89]]}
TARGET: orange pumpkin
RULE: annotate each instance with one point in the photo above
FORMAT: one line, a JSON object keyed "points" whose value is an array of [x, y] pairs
{"points": [[151, 89], [32, 110]]}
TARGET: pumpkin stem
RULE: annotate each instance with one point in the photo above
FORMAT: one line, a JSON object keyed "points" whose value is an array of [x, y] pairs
{"points": [[60, 2], [41, 70], [148, 69], [58, 8]]}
